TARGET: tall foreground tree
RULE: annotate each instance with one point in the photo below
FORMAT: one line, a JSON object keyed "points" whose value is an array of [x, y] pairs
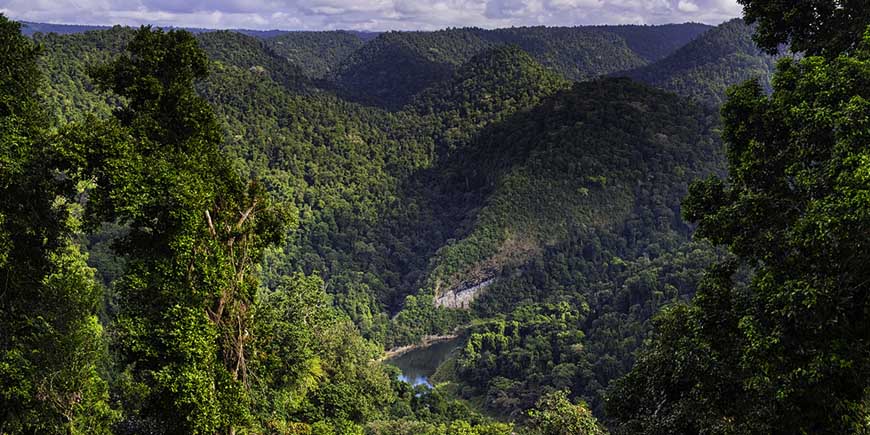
{"points": [[825, 28], [789, 352], [51, 343], [197, 232]]}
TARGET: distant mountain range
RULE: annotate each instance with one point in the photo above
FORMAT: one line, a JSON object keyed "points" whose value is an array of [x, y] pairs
{"points": [[29, 28], [706, 66], [389, 69]]}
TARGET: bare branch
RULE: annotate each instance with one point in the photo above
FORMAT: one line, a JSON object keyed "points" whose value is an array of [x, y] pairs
{"points": [[246, 214], [210, 224]]}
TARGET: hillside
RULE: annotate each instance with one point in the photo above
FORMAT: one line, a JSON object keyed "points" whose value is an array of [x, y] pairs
{"points": [[485, 90], [577, 53], [388, 70], [578, 209], [429, 211], [69, 59], [66, 63], [581, 160], [317, 53], [339, 163], [392, 68], [363, 178], [516, 231], [248, 52], [654, 43], [539, 208], [705, 67]]}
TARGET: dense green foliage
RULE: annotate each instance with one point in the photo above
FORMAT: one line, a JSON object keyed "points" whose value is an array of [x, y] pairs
{"points": [[262, 238], [577, 53], [600, 138], [196, 235], [486, 90], [368, 183], [316, 53], [572, 216], [52, 348], [825, 28], [785, 350], [704, 68], [654, 43], [339, 163], [556, 415], [253, 54], [73, 94], [389, 70], [201, 346], [394, 67], [579, 349]]}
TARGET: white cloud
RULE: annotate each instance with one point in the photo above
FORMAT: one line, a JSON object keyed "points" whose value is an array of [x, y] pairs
{"points": [[687, 6], [369, 14], [565, 5]]}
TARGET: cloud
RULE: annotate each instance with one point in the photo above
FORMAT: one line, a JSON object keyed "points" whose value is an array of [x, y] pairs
{"points": [[687, 6], [568, 5], [369, 14]]}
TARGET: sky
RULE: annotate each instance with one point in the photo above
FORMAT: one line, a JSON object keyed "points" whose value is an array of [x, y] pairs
{"points": [[375, 15]]}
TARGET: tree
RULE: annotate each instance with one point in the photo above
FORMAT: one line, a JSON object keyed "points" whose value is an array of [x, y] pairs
{"points": [[794, 341], [687, 380], [197, 233], [554, 414], [816, 27], [795, 210], [51, 347]]}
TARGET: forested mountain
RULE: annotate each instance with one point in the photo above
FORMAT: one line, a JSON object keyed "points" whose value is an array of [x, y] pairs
{"points": [[654, 43], [395, 66], [339, 164], [363, 180], [182, 319], [318, 53], [28, 28], [72, 93], [491, 86], [705, 67], [263, 215], [579, 206], [389, 69], [243, 51], [776, 339]]}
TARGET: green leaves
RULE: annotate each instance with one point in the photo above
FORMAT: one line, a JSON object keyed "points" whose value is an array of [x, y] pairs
{"points": [[818, 27], [793, 340], [705, 67], [197, 234], [52, 347], [554, 414]]}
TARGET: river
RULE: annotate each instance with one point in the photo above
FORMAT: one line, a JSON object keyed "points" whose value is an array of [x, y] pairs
{"points": [[418, 365]]}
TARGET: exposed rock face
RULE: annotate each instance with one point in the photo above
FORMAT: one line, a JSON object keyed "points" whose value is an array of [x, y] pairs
{"points": [[461, 298]]}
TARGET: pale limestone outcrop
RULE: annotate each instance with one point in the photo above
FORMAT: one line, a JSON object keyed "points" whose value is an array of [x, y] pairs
{"points": [[461, 298]]}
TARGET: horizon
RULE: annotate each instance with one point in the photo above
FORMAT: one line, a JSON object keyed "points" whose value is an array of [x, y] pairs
{"points": [[369, 15], [267, 30]]}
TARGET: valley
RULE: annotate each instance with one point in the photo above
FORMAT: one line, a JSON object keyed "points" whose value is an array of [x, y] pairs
{"points": [[522, 230], [459, 187]]}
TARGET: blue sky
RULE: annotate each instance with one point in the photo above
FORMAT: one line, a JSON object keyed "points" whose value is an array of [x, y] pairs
{"points": [[369, 14]]}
